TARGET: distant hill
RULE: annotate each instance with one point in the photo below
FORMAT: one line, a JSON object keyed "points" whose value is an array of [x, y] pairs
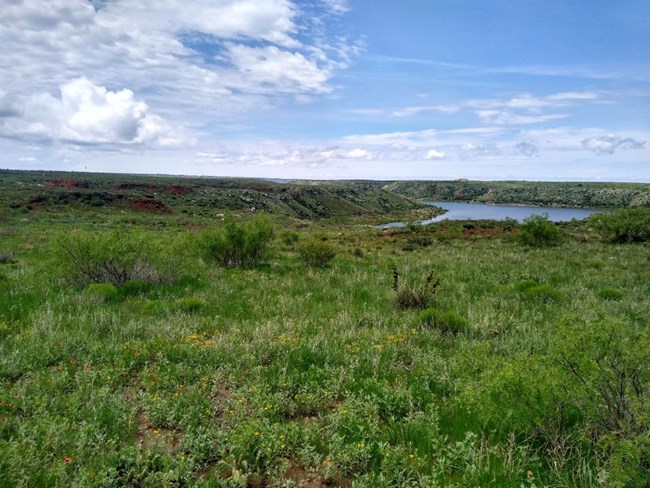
{"points": [[584, 195], [58, 191]]}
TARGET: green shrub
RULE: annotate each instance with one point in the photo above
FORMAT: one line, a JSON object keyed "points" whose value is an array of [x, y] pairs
{"points": [[112, 257], [543, 293], [626, 225], [609, 294], [538, 231], [316, 253], [446, 322], [191, 304], [414, 296], [239, 244], [104, 291]]}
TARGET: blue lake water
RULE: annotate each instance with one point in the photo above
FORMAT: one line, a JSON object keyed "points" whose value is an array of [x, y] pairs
{"points": [[480, 211]]}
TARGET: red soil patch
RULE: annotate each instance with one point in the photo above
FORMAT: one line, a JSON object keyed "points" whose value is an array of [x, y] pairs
{"points": [[153, 206], [66, 183], [178, 189]]}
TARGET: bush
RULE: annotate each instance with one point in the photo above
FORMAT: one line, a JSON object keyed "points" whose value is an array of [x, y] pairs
{"points": [[317, 254], [239, 244], [418, 297], [111, 257], [537, 231], [627, 225], [446, 322], [7, 258], [609, 294]]}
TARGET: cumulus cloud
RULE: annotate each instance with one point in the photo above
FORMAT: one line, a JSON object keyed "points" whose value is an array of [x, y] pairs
{"points": [[91, 114], [611, 143], [208, 56], [434, 154]]}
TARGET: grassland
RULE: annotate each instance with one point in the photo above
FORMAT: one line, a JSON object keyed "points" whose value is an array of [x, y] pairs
{"points": [[290, 375]]}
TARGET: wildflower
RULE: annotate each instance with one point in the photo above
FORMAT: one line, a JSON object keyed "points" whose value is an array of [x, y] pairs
{"points": [[411, 456], [3, 420], [529, 473], [67, 460], [182, 458], [138, 352], [281, 446], [257, 434], [328, 461], [156, 431], [281, 436]]}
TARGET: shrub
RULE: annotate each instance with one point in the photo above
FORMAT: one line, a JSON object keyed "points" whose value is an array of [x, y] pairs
{"points": [[446, 322], [418, 297], [626, 225], [609, 294], [104, 291], [7, 258], [110, 257], [537, 231], [317, 254], [191, 304], [239, 244]]}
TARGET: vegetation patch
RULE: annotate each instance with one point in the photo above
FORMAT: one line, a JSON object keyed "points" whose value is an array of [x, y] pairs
{"points": [[447, 322]]}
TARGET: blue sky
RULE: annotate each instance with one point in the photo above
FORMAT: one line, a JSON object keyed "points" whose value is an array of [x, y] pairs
{"points": [[415, 89]]}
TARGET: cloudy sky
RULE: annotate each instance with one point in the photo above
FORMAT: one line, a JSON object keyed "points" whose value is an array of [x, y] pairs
{"points": [[377, 89]]}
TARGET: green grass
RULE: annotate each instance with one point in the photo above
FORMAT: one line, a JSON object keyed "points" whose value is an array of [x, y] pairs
{"points": [[285, 373]]}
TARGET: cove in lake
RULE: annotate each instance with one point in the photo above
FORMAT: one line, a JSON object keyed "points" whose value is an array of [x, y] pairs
{"points": [[480, 211]]}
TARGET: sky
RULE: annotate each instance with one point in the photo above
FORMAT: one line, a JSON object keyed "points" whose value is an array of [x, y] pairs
{"points": [[328, 89]]}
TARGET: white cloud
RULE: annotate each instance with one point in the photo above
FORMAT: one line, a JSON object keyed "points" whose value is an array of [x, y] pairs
{"points": [[434, 154], [527, 149], [90, 114], [337, 6], [198, 58], [611, 143], [279, 70], [497, 117]]}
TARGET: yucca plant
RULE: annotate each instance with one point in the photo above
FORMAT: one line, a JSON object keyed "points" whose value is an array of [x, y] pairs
{"points": [[414, 296]]}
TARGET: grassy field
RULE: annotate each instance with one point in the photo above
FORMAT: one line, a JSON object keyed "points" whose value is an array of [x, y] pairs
{"points": [[530, 366]]}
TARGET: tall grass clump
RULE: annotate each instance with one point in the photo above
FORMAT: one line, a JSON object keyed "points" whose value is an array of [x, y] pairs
{"points": [[317, 253], [538, 231], [113, 257], [414, 296], [447, 322], [239, 244], [626, 225]]}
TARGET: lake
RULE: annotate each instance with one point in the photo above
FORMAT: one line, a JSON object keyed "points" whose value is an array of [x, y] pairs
{"points": [[480, 211]]}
